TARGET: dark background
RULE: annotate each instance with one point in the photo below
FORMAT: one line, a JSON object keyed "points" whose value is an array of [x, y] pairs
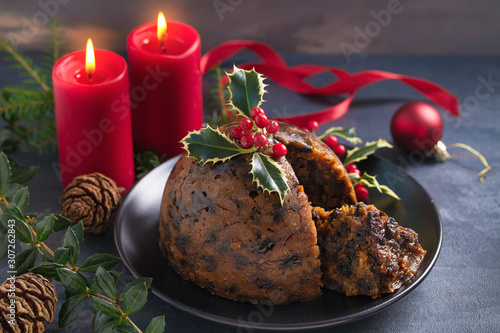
{"points": [[318, 26]]}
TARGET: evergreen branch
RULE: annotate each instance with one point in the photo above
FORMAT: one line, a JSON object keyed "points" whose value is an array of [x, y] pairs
{"points": [[24, 63], [26, 104], [55, 38]]}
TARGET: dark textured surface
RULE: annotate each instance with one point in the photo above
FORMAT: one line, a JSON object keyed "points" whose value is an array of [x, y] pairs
{"points": [[313, 26], [461, 293]]}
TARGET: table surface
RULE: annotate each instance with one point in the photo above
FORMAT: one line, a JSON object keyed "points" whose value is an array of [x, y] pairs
{"points": [[461, 293]]}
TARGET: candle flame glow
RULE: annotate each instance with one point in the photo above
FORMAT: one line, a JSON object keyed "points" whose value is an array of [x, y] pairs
{"points": [[162, 26], [90, 58]]}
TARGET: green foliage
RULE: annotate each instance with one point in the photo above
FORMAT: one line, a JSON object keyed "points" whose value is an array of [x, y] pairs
{"points": [[28, 110], [360, 153], [269, 175], [92, 281], [246, 89], [146, 161], [219, 111], [210, 145]]}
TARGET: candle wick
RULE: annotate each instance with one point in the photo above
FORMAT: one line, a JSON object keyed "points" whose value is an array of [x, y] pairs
{"points": [[163, 44], [90, 76]]}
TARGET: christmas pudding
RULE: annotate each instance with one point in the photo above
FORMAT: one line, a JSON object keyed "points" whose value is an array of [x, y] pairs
{"points": [[219, 230], [250, 213]]}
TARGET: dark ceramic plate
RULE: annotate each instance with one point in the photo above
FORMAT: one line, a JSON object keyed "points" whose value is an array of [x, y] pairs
{"points": [[136, 237]]}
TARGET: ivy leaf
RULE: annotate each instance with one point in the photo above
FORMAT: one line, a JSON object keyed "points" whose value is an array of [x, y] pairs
{"points": [[371, 181], [70, 309], [134, 298], [105, 260], [21, 198], [25, 260], [61, 223], [360, 153], [156, 325], [73, 282], [246, 89], [105, 282], [47, 269], [269, 175], [4, 173], [44, 228], [107, 308], [209, 145], [348, 134]]}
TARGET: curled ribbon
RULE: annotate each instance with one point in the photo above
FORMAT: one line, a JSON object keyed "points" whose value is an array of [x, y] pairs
{"points": [[294, 78]]}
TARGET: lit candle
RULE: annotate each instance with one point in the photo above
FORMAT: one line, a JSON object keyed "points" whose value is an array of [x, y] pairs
{"points": [[93, 121], [165, 84]]}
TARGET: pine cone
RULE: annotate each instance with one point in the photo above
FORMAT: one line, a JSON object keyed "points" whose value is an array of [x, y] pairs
{"points": [[26, 303], [93, 199]]}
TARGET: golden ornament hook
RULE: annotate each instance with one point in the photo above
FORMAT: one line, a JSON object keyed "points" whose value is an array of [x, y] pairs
{"points": [[440, 151]]}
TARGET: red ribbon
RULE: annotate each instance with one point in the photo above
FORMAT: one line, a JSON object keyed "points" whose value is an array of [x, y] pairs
{"points": [[294, 78]]}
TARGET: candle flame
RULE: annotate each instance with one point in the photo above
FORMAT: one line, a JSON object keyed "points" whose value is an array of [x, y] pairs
{"points": [[162, 26], [90, 58]]}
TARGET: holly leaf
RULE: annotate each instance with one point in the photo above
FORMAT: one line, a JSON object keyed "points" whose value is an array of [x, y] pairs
{"points": [[70, 309], [44, 228], [134, 298], [47, 269], [246, 89], [107, 308], [371, 181], [21, 174], [360, 153], [21, 198], [209, 145], [61, 255], [70, 241], [4, 173], [72, 281], [156, 325], [348, 134], [105, 282], [269, 175], [61, 223], [25, 260], [104, 260], [23, 232]]}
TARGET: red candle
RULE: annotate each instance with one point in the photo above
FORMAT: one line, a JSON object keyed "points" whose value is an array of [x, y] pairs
{"points": [[93, 116], [165, 81]]}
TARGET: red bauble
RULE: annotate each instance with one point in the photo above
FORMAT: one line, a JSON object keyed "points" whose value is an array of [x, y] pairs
{"points": [[416, 126]]}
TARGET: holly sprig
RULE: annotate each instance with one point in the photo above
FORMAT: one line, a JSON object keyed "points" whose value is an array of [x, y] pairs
{"points": [[246, 89], [92, 281]]}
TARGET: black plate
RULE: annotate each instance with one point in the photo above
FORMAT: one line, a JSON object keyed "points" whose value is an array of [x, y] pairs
{"points": [[136, 238]]}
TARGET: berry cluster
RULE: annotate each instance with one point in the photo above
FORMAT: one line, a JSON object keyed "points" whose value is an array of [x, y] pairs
{"points": [[359, 189], [332, 142], [252, 132]]}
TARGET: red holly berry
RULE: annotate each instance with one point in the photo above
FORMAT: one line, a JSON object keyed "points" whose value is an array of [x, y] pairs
{"points": [[248, 140], [261, 120], [361, 192], [255, 111], [237, 133], [313, 125], [279, 150], [331, 141], [351, 167], [260, 140], [246, 124], [272, 127], [339, 150]]}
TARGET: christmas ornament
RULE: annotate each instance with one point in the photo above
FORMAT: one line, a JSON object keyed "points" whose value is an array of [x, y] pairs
{"points": [[92, 199], [418, 126], [27, 302]]}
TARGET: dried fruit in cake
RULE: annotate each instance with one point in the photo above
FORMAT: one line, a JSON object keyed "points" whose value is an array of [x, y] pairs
{"points": [[219, 230], [365, 252]]}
